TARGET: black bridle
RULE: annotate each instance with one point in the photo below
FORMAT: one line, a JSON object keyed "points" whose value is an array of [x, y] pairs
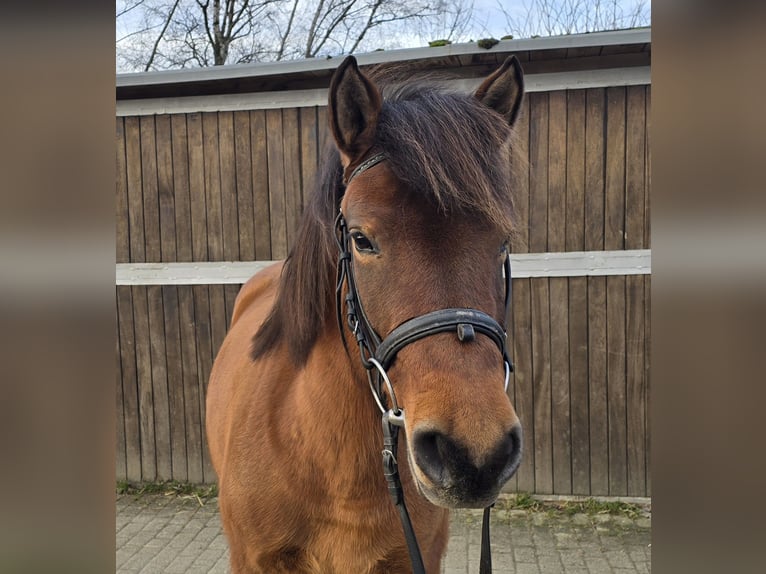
{"points": [[377, 354]]}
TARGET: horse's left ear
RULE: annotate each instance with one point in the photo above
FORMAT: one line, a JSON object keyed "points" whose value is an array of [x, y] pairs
{"points": [[353, 110], [503, 91]]}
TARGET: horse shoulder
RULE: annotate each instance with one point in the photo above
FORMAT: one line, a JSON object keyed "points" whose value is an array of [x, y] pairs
{"points": [[261, 285], [233, 363]]}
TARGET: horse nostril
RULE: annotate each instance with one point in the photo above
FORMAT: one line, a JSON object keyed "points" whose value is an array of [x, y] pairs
{"points": [[430, 449], [449, 464]]}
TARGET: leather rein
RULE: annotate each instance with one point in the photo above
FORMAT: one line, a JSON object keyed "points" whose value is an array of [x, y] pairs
{"points": [[377, 354]]}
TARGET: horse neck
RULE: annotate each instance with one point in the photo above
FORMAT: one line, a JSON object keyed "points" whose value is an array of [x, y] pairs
{"points": [[334, 383]]}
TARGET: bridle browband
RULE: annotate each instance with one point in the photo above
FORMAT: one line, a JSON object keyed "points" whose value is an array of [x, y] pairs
{"points": [[377, 355]]}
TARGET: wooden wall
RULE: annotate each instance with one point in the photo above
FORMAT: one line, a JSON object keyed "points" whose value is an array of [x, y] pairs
{"points": [[228, 186]]}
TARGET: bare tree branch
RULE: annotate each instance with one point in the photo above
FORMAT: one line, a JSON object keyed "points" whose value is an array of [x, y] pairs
{"points": [[153, 53], [286, 34], [367, 25], [129, 8]]}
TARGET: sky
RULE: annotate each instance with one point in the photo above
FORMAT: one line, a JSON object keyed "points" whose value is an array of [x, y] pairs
{"points": [[489, 20]]}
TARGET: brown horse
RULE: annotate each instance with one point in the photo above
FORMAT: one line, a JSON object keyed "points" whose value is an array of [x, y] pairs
{"points": [[422, 180]]}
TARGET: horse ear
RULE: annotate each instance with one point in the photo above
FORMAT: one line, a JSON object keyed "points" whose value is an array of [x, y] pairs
{"points": [[503, 91], [354, 106]]}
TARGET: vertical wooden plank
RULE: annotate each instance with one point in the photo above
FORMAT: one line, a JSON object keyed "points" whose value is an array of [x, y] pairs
{"points": [[181, 353], [277, 200], [260, 185], [510, 340], [225, 299], [181, 198], [165, 189], [594, 169], [539, 292], [122, 230], [635, 385], [559, 330], [144, 377], [202, 330], [538, 177], [134, 191], [292, 169], [139, 306], [150, 191], [614, 176], [614, 238], [616, 385], [599, 449], [217, 318], [575, 155], [156, 321], [578, 376], [635, 166], [229, 214], [197, 208], [120, 470], [176, 401], [198, 325], [635, 155], [129, 383], [230, 296], [541, 375], [244, 185], [122, 255], [213, 202], [556, 164], [522, 355], [322, 125], [169, 295], [189, 362], [520, 238], [153, 298], [594, 240], [561, 426], [578, 294], [309, 152]]}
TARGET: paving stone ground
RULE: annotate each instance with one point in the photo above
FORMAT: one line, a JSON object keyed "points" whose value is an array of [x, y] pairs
{"points": [[176, 535]]}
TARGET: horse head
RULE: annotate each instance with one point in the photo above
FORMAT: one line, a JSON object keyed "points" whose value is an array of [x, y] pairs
{"points": [[426, 213]]}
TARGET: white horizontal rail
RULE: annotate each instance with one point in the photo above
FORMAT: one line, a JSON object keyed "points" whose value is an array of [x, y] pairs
{"points": [[633, 76], [571, 264]]}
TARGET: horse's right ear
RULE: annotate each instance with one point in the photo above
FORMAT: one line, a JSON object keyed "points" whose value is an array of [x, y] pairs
{"points": [[503, 90], [354, 106]]}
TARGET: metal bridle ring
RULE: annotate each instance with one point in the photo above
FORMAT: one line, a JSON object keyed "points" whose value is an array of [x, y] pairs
{"points": [[395, 406], [507, 374]]}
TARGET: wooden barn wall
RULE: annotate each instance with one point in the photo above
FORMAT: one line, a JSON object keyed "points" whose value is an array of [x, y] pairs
{"points": [[223, 186]]}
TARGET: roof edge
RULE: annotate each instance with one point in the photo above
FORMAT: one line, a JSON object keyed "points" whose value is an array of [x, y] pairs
{"points": [[234, 71]]}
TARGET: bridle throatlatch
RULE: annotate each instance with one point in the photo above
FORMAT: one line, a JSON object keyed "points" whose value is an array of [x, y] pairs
{"points": [[377, 354]]}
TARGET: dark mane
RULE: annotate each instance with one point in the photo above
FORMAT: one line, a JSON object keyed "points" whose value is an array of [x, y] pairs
{"points": [[446, 146]]}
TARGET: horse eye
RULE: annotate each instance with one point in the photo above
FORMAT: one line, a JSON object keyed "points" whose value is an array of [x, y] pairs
{"points": [[362, 244]]}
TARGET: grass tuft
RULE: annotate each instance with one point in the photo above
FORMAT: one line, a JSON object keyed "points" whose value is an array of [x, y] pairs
{"points": [[168, 488], [588, 506]]}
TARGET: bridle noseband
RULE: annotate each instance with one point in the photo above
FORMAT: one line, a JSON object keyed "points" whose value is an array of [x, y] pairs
{"points": [[377, 355]]}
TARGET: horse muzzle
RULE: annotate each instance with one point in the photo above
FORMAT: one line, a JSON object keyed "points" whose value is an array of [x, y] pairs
{"points": [[447, 475]]}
